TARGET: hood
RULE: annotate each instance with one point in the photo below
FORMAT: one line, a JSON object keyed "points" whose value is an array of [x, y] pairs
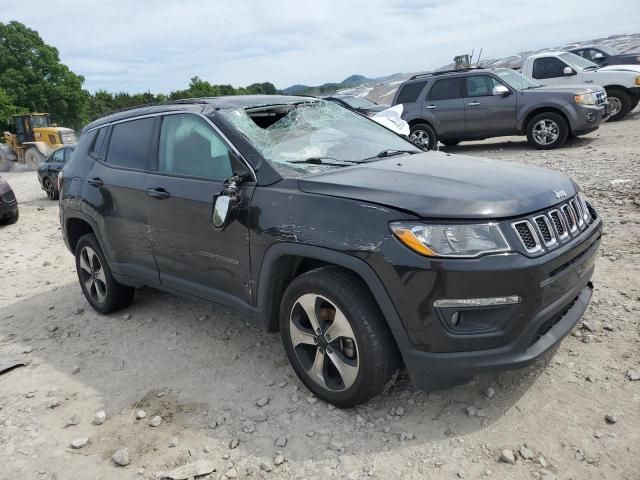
{"points": [[440, 185], [623, 68], [568, 89]]}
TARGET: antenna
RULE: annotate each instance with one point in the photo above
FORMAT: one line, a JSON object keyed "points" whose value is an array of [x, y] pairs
{"points": [[471, 58], [479, 55]]}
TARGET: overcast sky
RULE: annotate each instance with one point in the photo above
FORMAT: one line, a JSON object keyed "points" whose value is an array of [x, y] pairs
{"points": [[139, 45]]}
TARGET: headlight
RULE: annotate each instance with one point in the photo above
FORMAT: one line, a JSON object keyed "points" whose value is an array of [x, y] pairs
{"points": [[584, 99], [638, 77], [451, 240]]}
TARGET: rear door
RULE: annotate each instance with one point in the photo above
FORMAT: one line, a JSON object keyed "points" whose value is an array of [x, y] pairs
{"points": [[445, 105], [485, 113], [193, 256], [118, 198]]}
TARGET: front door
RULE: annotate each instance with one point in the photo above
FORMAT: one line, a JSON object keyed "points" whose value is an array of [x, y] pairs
{"points": [[192, 255], [445, 105], [487, 114], [550, 71]]}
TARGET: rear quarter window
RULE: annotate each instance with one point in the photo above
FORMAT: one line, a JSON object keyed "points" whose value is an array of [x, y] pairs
{"points": [[97, 147], [410, 92], [130, 144]]}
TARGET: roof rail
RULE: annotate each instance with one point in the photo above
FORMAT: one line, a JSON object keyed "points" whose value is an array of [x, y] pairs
{"points": [[159, 104], [444, 72]]}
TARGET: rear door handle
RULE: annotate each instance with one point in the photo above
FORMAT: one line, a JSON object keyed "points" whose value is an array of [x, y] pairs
{"points": [[431, 107], [159, 193], [96, 182], [473, 104]]}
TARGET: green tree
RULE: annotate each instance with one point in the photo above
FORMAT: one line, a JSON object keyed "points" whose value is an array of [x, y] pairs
{"points": [[31, 73]]}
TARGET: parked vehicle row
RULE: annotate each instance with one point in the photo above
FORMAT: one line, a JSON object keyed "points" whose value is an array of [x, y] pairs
{"points": [[365, 252]]}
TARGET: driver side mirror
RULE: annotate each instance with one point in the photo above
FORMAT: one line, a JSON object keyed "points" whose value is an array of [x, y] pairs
{"points": [[222, 210], [568, 71], [500, 90]]}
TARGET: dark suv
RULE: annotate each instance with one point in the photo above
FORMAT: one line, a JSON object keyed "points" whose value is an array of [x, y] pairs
{"points": [[365, 252], [474, 104]]}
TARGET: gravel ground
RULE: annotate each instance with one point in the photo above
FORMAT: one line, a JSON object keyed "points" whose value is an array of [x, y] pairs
{"points": [[205, 372]]}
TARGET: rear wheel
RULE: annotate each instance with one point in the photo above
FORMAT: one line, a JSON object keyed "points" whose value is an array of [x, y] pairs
{"points": [[335, 337], [33, 158], [547, 130], [619, 104], [423, 136], [51, 189], [98, 285]]}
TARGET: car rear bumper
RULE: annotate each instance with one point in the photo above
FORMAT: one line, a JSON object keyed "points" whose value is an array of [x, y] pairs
{"points": [[8, 209]]}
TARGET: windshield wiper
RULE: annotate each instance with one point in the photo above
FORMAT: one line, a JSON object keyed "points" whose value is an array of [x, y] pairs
{"points": [[326, 161], [390, 152]]}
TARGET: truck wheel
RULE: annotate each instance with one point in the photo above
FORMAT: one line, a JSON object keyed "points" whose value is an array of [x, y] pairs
{"points": [[98, 285], [619, 104], [33, 158], [423, 136], [335, 337], [5, 165], [547, 130]]}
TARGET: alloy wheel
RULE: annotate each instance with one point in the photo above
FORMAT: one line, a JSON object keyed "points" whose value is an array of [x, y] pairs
{"points": [[615, 105], [324, 342], [420, 138], [50, 189], [546, 132], [92, 274]]}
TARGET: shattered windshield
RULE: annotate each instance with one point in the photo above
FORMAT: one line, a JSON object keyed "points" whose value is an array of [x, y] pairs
{"points": [[577, 62], [312, 129], [357, 102]]}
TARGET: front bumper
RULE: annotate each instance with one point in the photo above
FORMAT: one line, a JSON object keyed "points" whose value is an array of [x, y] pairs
{"points": [[587, 118], [555, 290]]}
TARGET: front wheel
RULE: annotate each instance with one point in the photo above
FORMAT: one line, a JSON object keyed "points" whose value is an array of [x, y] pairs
{"points": [[98, 285], [619, 104], [33, 158], [335, 337], [423, 136], [547, 130]]}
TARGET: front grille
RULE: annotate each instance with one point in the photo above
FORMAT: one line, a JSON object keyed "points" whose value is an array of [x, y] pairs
{"points": [[601, 97], [554, 226], [527, 236], [9, 197]]}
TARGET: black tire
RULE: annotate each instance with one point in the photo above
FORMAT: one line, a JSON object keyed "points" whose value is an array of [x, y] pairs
{"points": [[423, 136], [50, 189], [376, 354], [450, 143], [116, 296], [559, 128], [624, 103], [10, 219]]}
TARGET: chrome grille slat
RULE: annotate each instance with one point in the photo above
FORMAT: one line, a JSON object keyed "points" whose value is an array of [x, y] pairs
{"points": [[568, 215], [527, 235], [545, 230]]}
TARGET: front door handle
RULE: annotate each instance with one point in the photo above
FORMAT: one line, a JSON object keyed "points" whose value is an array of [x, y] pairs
{"points": [[431, 107], [96, 182], [473, 104], [159, 193]]}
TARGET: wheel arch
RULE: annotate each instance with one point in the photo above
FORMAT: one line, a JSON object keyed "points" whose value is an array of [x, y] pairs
{"points": [[285, 261], [536, 111], [75, 226]]}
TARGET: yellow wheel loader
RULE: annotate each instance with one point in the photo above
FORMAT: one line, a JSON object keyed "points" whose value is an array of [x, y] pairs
{"points": [[34, 140]]}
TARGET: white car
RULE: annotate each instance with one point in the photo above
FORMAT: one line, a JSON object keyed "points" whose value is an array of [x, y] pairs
{"points": [[622, 82]]}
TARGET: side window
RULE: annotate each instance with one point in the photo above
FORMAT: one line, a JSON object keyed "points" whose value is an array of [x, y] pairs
{"points": [[130, 143], [549, 67], [189, 146], [58, 156], [97, 149], [581, 52], [481, 85], [446, 89], [410, 92]]}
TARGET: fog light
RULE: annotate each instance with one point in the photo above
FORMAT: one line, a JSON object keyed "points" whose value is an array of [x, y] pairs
{"points": [[591, 117], [455, 318], [477, 302]]}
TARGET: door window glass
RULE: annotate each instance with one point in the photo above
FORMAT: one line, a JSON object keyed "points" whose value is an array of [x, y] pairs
{"points": [[446, 89], [410, 92], [189, 146], [98, 143], [58, 156], [481, 85], [549, 67], [130, 143]]}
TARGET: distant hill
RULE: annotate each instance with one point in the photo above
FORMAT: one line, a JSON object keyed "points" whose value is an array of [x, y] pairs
{"points": [[327, 88]]}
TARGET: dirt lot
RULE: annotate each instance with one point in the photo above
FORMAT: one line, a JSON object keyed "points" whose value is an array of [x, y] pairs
{"points": [[202, 370]]}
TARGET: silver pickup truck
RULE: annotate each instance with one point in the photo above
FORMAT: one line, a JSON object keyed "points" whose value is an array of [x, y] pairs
{"points": [[474, 104]]}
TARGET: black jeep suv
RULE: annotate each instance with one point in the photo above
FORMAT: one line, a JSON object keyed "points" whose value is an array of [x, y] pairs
{"points": [[366, 253]]}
